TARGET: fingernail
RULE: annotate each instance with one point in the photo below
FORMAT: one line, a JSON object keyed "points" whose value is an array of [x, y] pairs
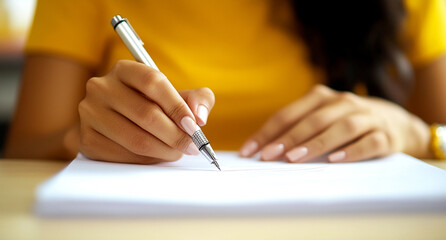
{"points": [[189, 125], [337, 156], [272, 151], [203, 113], [192, 149], [249, 148], [296, 154]]}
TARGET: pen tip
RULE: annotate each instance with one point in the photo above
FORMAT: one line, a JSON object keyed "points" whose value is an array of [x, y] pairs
{"points": [[216, 164]]}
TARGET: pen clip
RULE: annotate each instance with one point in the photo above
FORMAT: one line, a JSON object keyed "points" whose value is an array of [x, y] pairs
{"points": [[133, 30]]}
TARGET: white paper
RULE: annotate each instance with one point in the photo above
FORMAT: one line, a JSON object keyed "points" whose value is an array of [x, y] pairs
{"points": [[192, 186]]}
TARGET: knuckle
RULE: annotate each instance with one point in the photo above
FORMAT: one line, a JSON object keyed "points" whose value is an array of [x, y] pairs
{"points": [[182, 143], [84, 109], [119, 66], [93, 85], [321, 90], [176, 111], [349, 98], [378, 141], [153, 79], [150, 118], [151, 82], [352, 125], [147, 114]]}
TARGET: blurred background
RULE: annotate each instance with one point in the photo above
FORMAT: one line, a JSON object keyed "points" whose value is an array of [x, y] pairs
{"points": [[15, 20]]}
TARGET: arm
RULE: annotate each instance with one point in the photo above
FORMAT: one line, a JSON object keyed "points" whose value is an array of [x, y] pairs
{"points": [[428, 99], [45, 123]]}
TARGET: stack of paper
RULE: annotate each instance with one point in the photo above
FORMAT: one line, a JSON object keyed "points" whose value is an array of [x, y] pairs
{"points": [[191, 186]]}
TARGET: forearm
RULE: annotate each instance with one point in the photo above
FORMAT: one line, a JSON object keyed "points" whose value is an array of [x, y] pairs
{"points": [[427, 101], [63, 144], [46, 119], [428, 97]]}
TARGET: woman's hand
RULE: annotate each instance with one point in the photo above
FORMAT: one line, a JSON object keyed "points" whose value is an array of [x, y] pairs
{"points": [[343, 125], [134, 114]]}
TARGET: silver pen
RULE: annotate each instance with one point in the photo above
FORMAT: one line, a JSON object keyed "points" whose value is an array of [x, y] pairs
{"points": [[135, 45]]}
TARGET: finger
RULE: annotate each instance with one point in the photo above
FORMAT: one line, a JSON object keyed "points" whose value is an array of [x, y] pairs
{"points": [[311, 125], [375, 144], [337, 135], [200, 101], [285, 118], [96, 146], [123, 132], [155, 86], [150, 117]]}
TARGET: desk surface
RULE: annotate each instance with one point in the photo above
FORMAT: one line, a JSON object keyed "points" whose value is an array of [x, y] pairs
{"points": [[19, 178]]}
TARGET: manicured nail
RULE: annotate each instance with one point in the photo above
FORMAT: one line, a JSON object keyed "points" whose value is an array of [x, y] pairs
{"points": [[203, 113], [192, 149], [337, 156], [296, 154], [272, 151], [189, 125], [249, 148]]}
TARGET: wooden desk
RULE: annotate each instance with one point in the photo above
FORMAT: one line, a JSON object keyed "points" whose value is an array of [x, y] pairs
{"points": [[19, 178]]}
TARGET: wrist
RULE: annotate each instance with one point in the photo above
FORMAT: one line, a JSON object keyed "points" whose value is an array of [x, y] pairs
{"points": [[418, 139], [438, 141]]}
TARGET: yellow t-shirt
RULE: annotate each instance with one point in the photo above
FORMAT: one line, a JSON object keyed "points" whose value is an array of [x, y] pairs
{"points": [[233, 47]]}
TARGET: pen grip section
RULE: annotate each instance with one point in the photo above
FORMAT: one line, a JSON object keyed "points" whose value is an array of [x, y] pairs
{"points": [[199, 139]]}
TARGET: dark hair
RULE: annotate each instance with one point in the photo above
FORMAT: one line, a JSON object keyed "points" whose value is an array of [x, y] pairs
{"points": [[356, 41]]}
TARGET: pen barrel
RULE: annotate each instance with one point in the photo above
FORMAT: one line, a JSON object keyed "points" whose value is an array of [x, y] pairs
{"points": [[134, 44]]}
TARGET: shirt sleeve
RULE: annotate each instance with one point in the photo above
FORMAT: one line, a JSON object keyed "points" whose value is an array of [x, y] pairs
{"points": [[72, 29], [425, 31]]}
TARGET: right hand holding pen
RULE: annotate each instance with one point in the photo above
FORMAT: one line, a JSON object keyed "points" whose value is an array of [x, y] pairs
{"points": [[135, 115]]}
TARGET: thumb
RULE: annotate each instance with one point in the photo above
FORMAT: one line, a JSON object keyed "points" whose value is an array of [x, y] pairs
{"points": [[200, 101]]}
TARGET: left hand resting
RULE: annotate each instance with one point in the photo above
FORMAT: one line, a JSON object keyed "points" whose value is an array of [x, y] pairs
{"points": [[346, 126]]}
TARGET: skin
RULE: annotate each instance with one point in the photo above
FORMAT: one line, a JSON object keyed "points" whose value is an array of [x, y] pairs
{"points": [[133, 113], [120, 117], [354, 128]]}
